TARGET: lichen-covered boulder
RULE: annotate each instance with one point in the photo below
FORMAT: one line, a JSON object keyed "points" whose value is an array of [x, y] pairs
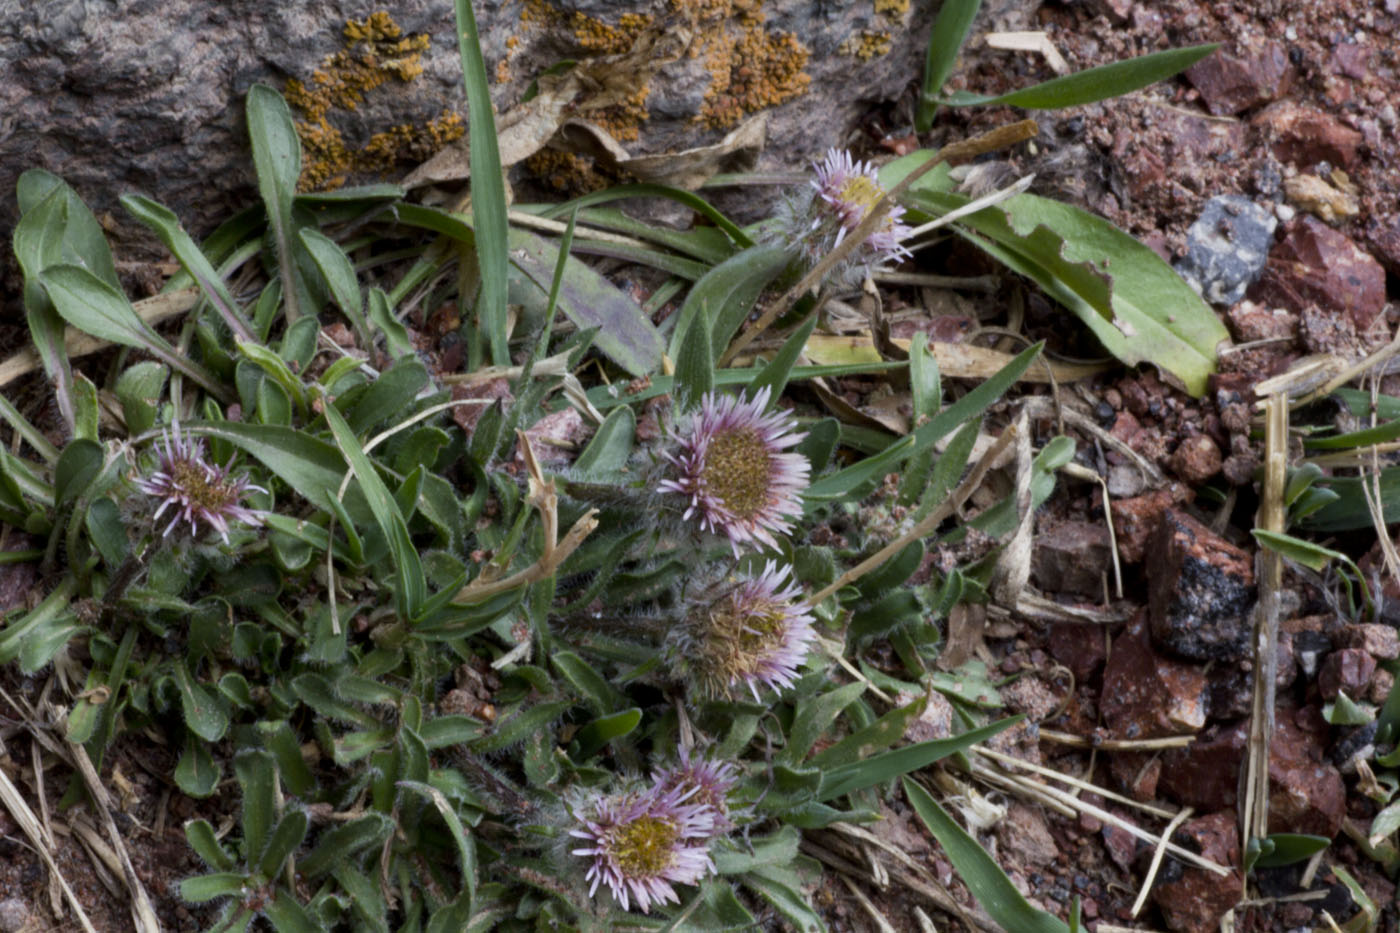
{"points": [[148, 96]]}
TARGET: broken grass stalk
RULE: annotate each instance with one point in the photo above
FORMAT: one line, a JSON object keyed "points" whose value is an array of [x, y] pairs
{"points": [[544, 497]]}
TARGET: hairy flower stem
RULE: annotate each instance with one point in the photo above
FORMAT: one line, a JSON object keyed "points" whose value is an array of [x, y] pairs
{"points": [[607, 495]]}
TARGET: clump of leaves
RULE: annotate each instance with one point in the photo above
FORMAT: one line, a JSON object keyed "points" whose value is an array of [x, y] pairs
{"points": [[439, 659]]}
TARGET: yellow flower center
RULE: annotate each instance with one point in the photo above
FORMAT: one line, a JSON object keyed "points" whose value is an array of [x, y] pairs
{"points": [[195, 484], [738, 470], [860, 190], [644, 847]]}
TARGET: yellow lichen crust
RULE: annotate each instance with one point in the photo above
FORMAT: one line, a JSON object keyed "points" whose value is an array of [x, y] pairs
{"points": [[601, 39], [566, 173], [750, 66], [866, 44], [376, 51], [623, 120], [892, 8]]}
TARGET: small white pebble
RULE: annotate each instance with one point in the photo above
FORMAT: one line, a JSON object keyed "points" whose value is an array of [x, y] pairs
{"points": [[1290, 33], [1284, 212]]}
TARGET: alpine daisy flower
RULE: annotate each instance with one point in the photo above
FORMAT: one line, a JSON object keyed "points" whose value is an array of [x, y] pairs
{"points": [[849, 190], [705, 783], [756, 635], [642, 843], [734, 465], [198, 490]]}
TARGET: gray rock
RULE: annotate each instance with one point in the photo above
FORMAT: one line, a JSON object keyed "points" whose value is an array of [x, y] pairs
{"points": [[1227, 248], [14, 914], [148, 95]]}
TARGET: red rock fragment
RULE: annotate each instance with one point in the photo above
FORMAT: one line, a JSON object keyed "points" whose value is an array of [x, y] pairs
{"points": [[1232, 80], [1138, 773], [466, 416], [1024, 832], [1135, 519], [1379, 641], [1071, 557], [1196, 459], [1306, 793], [1251, 322], [339, 334], [1122, 846], [1195, 902], [1146, 695], [1200, 590], [1081, 648], [1378, 690], [1316, 265], [1384, 239], [1351, 59], [1306, 136], [1347, 671], [1206, 774]]}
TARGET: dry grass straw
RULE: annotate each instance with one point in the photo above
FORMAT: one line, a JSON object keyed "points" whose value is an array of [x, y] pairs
{"points": [[1117, 745], [1157, 854], [1066, 803], [881, 924], [543, 495], [152, 310], [39, 832], [842, 855], [1254, 802]]}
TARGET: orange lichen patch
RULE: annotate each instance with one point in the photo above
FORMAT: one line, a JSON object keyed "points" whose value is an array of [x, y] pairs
{"points": [[376, 50], [892, 7], [750, 66], [757, 69], [866, 45], [503, 72], [623, 120], [565, 172], [406, 142], [598, 37]]}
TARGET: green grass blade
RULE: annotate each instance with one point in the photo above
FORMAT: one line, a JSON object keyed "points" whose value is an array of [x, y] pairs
{"points": [[92, 305], [839, 781], [775, 375], [969, 406], [411, 590], [979, 871], [1092, 84], [339, 274], [277, 161], [1136, 304], [949, 33], [488, 188], [163, 222], [649, 190], [466, 849]]}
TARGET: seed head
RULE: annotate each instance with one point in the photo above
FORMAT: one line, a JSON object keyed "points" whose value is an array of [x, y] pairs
{"points": [[850, 189], [755, 636], [199, 491], [641, 844], [703, 782], [732, 460]]}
